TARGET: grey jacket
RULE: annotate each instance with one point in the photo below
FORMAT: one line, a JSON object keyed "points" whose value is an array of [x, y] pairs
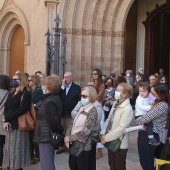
{"points": [[2, 95]]}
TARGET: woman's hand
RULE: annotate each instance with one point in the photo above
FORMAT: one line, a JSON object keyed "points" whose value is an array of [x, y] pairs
{"points": [[102, 138], [67, 141], [5, 125]]}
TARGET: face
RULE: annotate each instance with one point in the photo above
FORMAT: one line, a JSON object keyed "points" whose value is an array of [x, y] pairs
{"points": [[84, 94], [143, 92], [161, 71], [68, 78], [154, 93], [30, 82], [109, 83], [16, 78], [121, 90], [95, 75], [152, 80]]}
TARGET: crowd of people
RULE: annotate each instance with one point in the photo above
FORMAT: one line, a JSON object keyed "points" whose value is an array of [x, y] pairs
{"points": [[81, 114]]}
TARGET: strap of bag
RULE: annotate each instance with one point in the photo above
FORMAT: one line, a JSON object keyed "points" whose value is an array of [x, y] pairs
{"points": [[4, 98]]}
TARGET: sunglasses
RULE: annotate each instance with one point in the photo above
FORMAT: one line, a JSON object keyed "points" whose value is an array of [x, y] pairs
{"points": [[94, 73], [15, 79], [29, 80], [84, 96]]}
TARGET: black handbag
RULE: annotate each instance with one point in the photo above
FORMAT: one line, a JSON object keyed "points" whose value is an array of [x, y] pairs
{"points": [[76, 148], [57, 140], [163, 150]]}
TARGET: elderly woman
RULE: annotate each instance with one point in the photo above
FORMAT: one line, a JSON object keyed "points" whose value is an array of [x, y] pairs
{"points": [[82, 127], [158, 116], [48, 119], [17, 142], [123, 115], [4, 91], [34, 84]]}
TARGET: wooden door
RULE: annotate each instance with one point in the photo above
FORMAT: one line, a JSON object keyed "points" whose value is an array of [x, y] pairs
{"points": [[17, 51], [157, 41]]}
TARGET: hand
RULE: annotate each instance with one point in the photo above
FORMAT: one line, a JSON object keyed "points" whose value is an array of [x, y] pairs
{"points": [[110, 96], [66, 139], [152, 104], [90, 83], [64, 82], [5, 125], [67, 144], [102, 138]]}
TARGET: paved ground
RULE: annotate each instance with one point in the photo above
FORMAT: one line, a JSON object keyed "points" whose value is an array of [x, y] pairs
{"points": [[61, 161]]}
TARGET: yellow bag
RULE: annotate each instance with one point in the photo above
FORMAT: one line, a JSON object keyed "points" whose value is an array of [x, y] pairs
{"points": [[160, 162]]}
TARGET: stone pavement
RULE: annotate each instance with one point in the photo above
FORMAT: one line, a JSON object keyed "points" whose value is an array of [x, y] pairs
{"points": [[61, 161]]}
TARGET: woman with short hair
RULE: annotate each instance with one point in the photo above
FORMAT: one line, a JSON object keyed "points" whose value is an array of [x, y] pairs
{"points": [[122, 116], [81, 129], [48, 120], [34, 84], [17, 144]]}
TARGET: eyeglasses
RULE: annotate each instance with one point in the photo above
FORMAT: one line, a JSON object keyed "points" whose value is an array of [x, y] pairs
{"points": [[94, 73], [84, 96], [29, 80], [15, 79]]}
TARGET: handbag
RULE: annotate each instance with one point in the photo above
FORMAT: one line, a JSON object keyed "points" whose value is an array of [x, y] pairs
{"points": [[114, 145], [57, 140], [26, 121], [76, 148], [163, 150]]}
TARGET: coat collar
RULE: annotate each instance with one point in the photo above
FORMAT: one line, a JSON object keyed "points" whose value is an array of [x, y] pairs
{"points": [[125, 103]]}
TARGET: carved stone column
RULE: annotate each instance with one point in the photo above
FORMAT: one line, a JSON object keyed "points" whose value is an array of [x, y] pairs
{"points": [[52, 12]]}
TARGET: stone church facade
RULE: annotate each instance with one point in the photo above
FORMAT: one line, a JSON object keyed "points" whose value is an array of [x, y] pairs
{"points": [[105, 34]]}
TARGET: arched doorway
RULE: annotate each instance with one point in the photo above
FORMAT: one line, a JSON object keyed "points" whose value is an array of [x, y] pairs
{"points": [[157, 40], [17, 51]]}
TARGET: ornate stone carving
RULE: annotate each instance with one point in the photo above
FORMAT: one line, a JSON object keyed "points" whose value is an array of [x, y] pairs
{"points": [[92, 32]]}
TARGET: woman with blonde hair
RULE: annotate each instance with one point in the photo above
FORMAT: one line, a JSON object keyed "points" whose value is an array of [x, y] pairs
{"points": [[81, 129], [34, 84], [17, 145], [121, 115]]}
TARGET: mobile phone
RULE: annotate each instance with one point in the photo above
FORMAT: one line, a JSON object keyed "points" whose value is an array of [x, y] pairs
{"points": [[9, 128]]}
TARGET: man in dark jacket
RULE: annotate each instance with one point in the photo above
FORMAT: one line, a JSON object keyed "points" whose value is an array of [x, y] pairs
{"points": [[70, 96]]}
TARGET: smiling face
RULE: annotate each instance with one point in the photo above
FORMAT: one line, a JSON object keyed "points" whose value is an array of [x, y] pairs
{"points": [[68, 78]]}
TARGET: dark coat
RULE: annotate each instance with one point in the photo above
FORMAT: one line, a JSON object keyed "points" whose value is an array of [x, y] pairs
{"points": [[15, 108], [70, 100], [36, 95], [48, 118]]}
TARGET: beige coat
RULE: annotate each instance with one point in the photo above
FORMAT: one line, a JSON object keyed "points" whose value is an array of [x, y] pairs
{"points": [[121, 119]]}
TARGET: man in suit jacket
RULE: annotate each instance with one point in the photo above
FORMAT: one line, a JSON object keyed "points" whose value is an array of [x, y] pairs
{"points": [[70, 95]]}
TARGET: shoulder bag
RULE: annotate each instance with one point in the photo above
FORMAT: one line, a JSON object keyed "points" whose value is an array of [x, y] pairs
{"points": [[76, 148], [113, 146], [26, 121]]}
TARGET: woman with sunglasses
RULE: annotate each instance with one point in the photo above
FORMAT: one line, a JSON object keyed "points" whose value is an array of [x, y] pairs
{"points": [[4, 91], [17, 144], [98, 84], [34, 84], [81, 129], [158, 116]]}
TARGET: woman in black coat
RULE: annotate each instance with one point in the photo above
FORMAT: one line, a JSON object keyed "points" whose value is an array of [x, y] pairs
{"points": [[17, 142], [48, 120]]}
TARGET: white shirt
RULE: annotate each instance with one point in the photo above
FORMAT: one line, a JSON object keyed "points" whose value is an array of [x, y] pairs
{"points": [[66, 87], [142, 105]]}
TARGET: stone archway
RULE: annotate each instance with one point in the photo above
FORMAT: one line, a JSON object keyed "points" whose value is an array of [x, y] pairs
{"points": [[11, 17]]}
